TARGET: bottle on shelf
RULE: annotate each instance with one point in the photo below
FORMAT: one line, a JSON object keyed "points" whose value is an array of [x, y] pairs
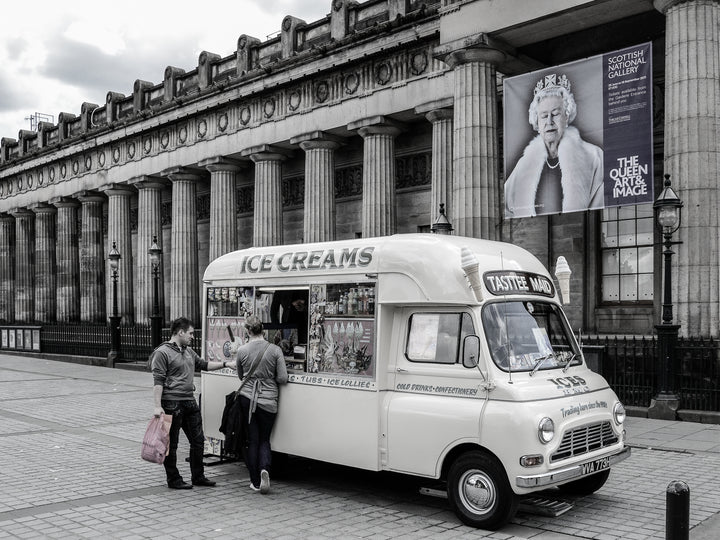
{"points": [[342, 305], [354, 302], [351, 302]]}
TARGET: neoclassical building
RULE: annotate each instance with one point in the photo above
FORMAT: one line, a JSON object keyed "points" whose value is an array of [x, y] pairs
{"points": [[360, 124]]}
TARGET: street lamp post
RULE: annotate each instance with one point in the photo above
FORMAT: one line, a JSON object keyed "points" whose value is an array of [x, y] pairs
{"points": [[114, 354], [155, 319], [667, 215]]}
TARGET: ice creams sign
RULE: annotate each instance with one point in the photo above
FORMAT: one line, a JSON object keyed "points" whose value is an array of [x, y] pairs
{"points": [[509, 282], [299, 261]]}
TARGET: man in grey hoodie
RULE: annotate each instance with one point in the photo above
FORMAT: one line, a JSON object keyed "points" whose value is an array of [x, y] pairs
{"points": [[173, 368]]}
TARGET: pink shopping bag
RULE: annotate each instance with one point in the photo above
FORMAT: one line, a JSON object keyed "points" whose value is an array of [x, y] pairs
{"points": [[156, 442]]}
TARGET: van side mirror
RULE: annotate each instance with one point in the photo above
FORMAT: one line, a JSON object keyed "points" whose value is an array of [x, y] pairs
{"points": [[471, 351]]}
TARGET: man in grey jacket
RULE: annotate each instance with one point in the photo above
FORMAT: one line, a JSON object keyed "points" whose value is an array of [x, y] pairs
{"points": [[173, 368]]}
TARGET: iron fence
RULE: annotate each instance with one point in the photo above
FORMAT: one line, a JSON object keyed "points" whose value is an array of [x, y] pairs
{"points": [[699, 373], [78, 339], [94, 340], [631, 367], [630, 364]]}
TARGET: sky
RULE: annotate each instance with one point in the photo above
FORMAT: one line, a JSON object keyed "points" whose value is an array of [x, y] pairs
{"points": [[57, 54]]}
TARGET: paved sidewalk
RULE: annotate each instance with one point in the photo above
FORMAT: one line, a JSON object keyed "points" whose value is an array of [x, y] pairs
{"points": [[70, 440], [676, 436]]}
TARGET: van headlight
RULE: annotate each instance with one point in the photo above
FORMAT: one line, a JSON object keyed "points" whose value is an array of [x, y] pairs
{"points": [[546, 430], [619, 413]]}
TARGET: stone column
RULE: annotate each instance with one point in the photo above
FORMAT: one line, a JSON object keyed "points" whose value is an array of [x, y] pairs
{"points": [[92, 258], [692, 157], [223, 205], [7, 268], [378, 204], [149, 226], [267, 222], [440, 114], [119, 232], [45, 268], [476, 194], [67, 260], [184, 278], [319, 216], [24, 265]]}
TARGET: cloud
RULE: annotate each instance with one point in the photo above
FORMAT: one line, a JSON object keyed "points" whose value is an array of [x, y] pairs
{"points": [[94, 72], [13, 96], [313, 9], [15, 47], [57, 55]]}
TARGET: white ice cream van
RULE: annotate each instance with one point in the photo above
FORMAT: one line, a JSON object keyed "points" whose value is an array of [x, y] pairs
{"points": [[443, 357]]}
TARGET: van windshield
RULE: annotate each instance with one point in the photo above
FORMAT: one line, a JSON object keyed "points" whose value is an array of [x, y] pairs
{"points": [[528, 336]]}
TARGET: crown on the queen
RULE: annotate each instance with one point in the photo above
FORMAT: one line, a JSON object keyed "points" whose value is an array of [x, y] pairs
{"points": [[552, 81]]}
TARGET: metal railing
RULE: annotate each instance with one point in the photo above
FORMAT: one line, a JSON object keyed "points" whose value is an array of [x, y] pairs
{"points": [[631, 367], [699, 374], [84, 339], [630, 364]]}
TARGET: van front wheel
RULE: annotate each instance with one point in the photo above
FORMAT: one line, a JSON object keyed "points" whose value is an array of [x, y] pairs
{"points": [[479, 491]]}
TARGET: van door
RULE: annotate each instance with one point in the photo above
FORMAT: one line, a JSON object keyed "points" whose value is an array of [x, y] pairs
{"points": [[437, 402]]}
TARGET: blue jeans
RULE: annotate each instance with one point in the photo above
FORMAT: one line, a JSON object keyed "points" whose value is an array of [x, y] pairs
{"points": [[186, 416], [259, 454]]}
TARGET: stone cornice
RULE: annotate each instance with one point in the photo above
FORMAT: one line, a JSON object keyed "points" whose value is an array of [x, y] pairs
{"points": [[314, 85], [305, 65]]}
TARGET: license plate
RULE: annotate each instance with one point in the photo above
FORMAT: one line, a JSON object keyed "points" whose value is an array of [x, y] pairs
{"points": [[595, 466]]}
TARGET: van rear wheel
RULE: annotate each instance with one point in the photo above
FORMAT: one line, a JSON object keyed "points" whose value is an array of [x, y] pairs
{"points": [[479, 491], [585, 486]]}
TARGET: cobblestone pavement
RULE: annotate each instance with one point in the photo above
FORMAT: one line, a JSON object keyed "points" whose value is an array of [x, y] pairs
{"points": [[70, 440]]}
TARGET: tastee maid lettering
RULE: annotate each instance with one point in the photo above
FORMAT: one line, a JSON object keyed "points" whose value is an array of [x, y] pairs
{"points": [[299, 261], [499, 283]]}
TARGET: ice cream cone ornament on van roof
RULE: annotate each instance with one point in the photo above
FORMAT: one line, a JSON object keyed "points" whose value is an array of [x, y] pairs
{"points": [[562, 273], [471, 267]]}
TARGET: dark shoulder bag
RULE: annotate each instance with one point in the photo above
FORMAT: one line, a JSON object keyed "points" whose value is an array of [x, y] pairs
{"points": [[232, 425]]}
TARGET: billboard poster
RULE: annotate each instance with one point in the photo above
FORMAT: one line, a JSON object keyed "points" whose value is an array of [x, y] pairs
{"points": [[578, 136]]}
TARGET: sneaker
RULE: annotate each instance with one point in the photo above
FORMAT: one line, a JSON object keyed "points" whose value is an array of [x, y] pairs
{"points": [[264, 482], [252, 486]]}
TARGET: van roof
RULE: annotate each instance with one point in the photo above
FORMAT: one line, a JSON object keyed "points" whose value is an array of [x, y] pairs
{"points": [[412, 267]]}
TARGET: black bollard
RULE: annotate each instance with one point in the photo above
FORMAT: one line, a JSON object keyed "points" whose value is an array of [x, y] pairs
{"points": [[677, 511]]}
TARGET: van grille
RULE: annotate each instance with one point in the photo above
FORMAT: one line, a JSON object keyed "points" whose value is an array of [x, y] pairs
{"points": [[585, 439]]}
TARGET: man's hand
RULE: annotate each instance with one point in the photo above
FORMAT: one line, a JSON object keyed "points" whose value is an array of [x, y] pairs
{"points": [[232, 364], [158, 412]]}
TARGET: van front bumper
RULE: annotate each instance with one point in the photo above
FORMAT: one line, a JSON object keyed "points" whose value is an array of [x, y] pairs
{"points": [[576, 471]]}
